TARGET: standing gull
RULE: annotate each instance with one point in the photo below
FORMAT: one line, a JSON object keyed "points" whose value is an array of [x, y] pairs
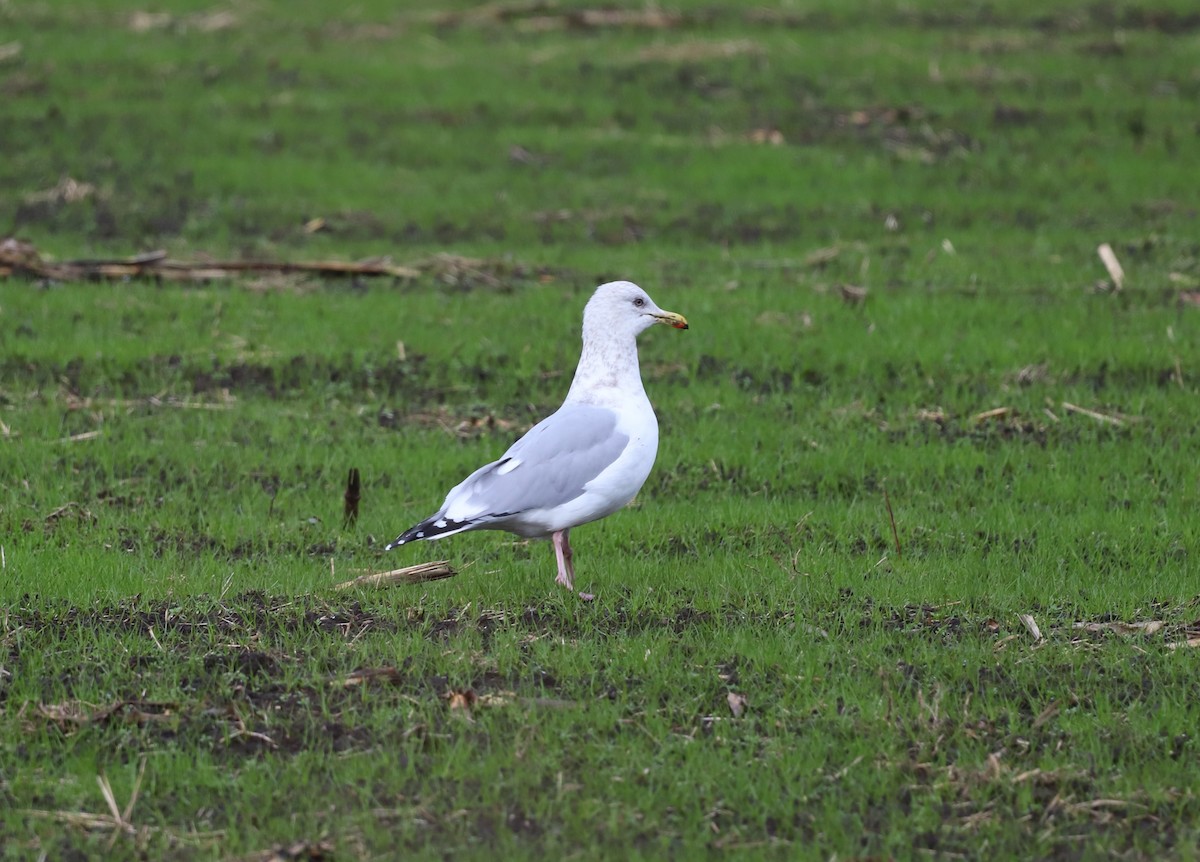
{"points": [[584, 461]]}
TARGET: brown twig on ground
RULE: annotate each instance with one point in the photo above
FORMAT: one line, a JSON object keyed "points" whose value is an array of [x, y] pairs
{"points": [[1144, 627], [852, 294], [71, 508], [1031, 626], [994, 413], [22, 258], [1099, 417], [79, 438], [352, 496], [887, 501], [71, 715], [1109, 258], [1190, 642], [365, 675], [117, 821], [409, 575]]}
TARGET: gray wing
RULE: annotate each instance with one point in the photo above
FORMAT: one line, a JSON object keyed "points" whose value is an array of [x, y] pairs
{"points": [[547, 467]]}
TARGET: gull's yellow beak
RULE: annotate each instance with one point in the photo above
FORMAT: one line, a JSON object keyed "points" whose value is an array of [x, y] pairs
{"points": [[670, 318]]}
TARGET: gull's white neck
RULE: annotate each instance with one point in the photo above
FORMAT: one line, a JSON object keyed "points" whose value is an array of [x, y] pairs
{"points": [[608, 368]]}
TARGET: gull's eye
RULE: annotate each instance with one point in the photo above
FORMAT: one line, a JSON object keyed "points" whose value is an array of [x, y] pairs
{"points": [[639, 302]]}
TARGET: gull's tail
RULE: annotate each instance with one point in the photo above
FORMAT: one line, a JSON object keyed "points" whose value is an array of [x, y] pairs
{"points": [[433, 527]]}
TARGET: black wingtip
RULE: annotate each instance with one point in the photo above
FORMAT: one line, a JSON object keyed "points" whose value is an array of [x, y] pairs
{"points": [[430, 528]]}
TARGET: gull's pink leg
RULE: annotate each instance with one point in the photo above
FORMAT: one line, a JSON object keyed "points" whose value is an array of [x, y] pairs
{"points": [[566, 566], [562, 555]]}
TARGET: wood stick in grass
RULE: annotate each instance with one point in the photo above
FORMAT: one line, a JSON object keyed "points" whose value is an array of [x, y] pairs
{"points": [[1109, 258], [1099, 417], [1031, 626], [994, 413], [352, 496], [19, 258], [417, 574], [891, 517]]}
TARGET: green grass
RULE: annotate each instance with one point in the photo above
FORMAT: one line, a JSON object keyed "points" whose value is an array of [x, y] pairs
{"points": [[173, 459]]}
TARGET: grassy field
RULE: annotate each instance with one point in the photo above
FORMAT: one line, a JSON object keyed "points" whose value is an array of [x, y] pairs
{"points": [[917, 573]]}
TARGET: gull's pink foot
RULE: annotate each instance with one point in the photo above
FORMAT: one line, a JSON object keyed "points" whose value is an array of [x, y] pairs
{"points": [[562, 555], [566, 567]]}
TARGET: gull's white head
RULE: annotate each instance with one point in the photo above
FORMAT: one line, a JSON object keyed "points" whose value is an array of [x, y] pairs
{"points": [[621, 307]]}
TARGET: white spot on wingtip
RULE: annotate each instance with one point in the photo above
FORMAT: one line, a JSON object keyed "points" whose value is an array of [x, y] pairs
{"points": [[421, 535], [508, 466], [440, 523]]}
